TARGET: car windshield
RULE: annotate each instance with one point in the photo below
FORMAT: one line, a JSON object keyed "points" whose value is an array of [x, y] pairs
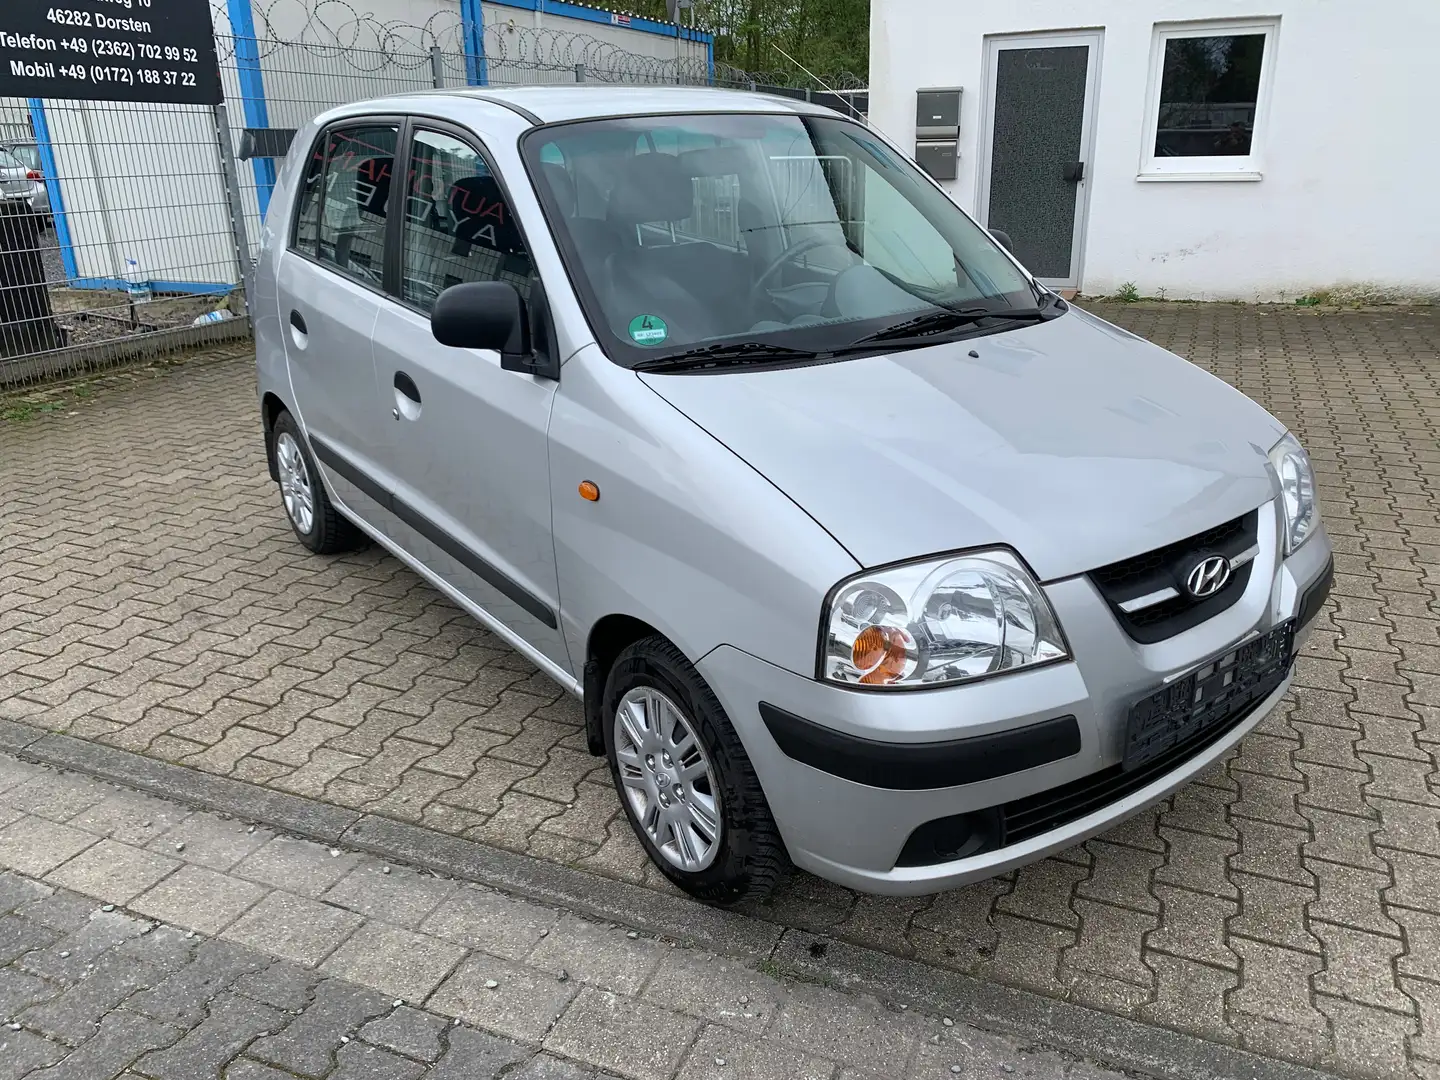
{"points": [[718, 232], [8, 160]]}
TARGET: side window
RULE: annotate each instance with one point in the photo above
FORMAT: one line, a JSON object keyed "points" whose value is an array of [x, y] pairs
{"points": [[307, 207], [458, 226], [353, 196]]}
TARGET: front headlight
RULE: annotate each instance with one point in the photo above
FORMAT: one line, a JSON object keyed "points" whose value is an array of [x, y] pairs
{"points": [[939, 621], [1297, 491]]}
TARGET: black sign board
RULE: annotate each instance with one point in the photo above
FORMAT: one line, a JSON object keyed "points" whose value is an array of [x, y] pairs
{"points": [[154, 51]]}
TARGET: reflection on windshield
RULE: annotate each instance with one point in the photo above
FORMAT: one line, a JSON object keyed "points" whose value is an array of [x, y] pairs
{"points": [[683, 231]]}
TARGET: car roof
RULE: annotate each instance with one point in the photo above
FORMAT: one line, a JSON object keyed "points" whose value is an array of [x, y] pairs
{"points": [[591, 101]]}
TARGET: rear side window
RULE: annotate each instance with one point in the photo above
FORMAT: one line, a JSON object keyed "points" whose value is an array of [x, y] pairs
{"points": [[344, 199], [458, 225]]}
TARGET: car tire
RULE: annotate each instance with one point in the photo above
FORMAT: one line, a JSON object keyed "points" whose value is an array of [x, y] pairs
{"points": [[317, 524], [655, 702]]}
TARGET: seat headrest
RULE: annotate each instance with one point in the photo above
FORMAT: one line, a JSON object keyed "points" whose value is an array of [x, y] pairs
{"points": [[374, 172], [561, 186], [651, 187]]}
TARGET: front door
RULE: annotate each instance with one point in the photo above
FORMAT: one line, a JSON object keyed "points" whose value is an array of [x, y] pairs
{"points": [[1036, 151], [469, 455]]}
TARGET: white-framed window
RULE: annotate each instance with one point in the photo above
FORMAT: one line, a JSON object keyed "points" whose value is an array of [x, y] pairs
{"points": [[1209, 91]]}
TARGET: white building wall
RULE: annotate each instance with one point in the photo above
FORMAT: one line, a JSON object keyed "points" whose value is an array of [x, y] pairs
{"points": [[1347, 195]]}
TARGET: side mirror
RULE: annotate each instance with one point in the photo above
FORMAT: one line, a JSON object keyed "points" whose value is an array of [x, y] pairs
{"points": [[489, 315], [1003, 238]]}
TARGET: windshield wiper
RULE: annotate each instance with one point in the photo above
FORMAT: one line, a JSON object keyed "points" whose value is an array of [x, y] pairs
{"points": [[937, 322], [726, 355]]}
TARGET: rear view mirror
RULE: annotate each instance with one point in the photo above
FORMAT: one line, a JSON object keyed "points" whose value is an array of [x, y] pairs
{"points": [[1003, 239], [481, 315], [492, 315]]}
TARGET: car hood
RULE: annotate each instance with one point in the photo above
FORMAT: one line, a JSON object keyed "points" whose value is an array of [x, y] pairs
{"points": [[1071, 441]]}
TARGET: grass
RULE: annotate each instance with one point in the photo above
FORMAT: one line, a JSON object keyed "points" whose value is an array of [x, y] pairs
{"points": [[1127, 293], [1314, 299], [28, 410]]}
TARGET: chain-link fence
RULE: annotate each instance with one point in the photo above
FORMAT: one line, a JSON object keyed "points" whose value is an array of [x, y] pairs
{"points": [[127, 230]]}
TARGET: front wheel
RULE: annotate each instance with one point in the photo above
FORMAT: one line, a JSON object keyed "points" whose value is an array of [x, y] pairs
{"points": [[684, 779]]}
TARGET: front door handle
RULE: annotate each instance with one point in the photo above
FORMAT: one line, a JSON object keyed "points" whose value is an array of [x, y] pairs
{"points": [[298, 321], [406, 386], [1073, 172]]}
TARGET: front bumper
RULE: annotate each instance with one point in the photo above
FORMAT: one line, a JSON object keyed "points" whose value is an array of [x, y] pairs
{"points": [[838, 822]]}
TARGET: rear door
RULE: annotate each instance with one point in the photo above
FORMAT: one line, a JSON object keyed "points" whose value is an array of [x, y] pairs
{"points": [[330, 280]]}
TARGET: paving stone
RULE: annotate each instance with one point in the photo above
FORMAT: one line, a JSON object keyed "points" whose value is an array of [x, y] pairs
{"points": [[522, 1005], [211, 841], [613, 1032], [20, 991], [308, 1043], [297, 866], [857, 1031], [181, 998], [112, 871], [69, 957], [403, 897], [717, 989], [480, 918], [286, 986], [199, 899], [19, 935], [24, 1051], [16, 890], [35, 846], [74, 1015], [122, 1038], [475, 1054], [231, 1023], [294, 928], [407, 1031], [356, 1061], [130, 817], [56, 796], [748, 1057], [597, 954], [394, 960]]}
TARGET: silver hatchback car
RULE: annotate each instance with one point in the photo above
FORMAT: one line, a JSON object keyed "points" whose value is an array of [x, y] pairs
{"points": [[862, 550]]}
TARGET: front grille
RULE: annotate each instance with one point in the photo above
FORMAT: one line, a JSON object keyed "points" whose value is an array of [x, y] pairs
{"points": [[1167, 567], [1059, 806]]}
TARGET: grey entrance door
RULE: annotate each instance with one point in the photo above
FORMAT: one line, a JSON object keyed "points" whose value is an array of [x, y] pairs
{"points": [[1039, 111]]}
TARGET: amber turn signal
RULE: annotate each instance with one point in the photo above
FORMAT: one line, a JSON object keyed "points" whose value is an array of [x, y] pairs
{"points": [[880, 653], [589, 492]]}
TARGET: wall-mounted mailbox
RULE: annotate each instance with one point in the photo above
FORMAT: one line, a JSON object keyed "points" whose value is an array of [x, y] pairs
{"points": [[937, 113], [939, 159]]}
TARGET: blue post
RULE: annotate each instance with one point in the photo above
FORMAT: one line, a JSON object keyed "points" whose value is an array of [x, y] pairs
{"points": [[41, 127], [472, 35], [252, 93]]}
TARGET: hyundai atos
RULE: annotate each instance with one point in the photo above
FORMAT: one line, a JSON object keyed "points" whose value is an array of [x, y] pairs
{"points": [[862, 549]]}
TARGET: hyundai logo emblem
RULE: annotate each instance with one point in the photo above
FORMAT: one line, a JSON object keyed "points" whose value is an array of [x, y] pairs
{"points": [[1208, 576]]}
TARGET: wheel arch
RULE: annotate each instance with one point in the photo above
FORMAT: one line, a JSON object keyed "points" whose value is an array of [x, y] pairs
{"points": [[270, 409], [608, 638]]}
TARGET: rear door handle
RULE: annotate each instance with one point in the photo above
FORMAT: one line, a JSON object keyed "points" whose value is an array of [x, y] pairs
{"points": [[406, 386], [298, 321]]}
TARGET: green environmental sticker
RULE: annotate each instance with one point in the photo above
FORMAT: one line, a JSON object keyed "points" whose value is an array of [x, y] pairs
{"points": [[648, 330]]}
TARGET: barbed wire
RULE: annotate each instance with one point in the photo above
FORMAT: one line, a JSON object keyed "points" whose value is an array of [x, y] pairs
{"points": [[368, 44]]}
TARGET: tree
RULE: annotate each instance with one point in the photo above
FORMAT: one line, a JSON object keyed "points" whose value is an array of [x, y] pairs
{"points": [[826, 36]]}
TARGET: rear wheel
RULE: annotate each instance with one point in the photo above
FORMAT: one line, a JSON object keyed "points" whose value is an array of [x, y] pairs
{"points": [[684, 779], [318, 525]]}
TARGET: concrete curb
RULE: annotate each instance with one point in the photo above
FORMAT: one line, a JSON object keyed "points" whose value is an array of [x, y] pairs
{"points": [[1126, 1045]]}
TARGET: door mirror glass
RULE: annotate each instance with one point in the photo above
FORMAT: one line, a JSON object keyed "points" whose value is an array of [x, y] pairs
{"points": [[1003, 239]]}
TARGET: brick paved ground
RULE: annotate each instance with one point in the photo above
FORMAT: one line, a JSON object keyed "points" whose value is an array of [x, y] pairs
{"points": [[152, 598], [183, 946]]}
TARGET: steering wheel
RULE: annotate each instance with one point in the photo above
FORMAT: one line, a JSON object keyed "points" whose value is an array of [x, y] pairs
{"points": [[804, 244]]}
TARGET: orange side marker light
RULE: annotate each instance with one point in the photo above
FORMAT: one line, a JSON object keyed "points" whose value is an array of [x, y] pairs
{"points": [[589, 492]]}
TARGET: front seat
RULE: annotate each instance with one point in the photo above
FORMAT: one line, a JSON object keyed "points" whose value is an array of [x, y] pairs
{"points": [[672, 280]]}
